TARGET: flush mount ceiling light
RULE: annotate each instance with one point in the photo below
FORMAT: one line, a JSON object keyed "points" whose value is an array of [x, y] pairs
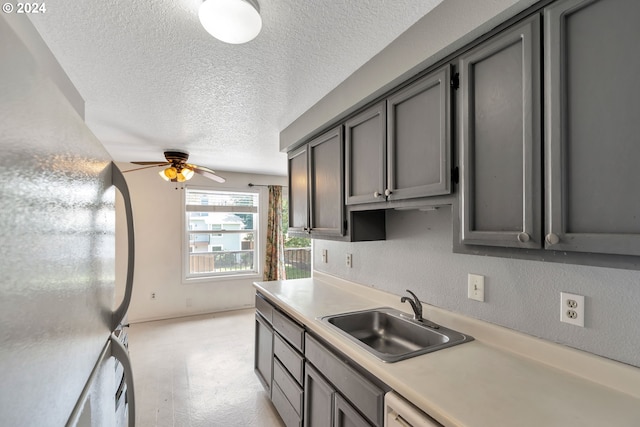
{"points": [[231, 21]]}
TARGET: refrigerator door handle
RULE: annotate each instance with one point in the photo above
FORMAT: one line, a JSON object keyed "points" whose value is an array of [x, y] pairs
{"points": [[117, 179], [77, 410], [121, 354], [112, 348]]}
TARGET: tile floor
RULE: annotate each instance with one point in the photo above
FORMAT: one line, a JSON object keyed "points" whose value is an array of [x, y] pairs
{"points": [[198, 372]]}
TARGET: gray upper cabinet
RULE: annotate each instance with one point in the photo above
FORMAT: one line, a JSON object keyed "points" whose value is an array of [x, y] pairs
{"points": [[299, 190], [592, 127], [316, 190], [418, 138], [326, 189], [501, 139], [400, 148], [365, 158]]}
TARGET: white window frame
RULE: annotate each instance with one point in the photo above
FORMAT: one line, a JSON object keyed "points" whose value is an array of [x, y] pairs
{"points": [[189, 277]]}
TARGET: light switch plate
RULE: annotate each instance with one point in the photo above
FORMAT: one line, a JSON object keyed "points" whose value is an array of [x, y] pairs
{"points": [[475, 287]]}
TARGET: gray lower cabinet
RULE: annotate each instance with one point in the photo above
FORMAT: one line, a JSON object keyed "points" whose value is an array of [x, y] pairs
{"points": [[592, 127], [318, 398], [288, 369], [263, 358], [400, 148], [309, 384], [501, 139], [325, 407], [316, 198], [354, 399], [346, 416]]}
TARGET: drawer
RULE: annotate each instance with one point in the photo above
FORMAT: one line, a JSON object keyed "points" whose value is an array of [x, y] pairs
{"points": [[284, 408], [264, 308], [289, 387], [362, 393], [290, 358], [289, 330]]}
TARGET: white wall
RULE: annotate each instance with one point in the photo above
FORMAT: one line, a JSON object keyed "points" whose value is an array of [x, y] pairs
{"points": [[448, 27], [519, 294], [158, 220]]}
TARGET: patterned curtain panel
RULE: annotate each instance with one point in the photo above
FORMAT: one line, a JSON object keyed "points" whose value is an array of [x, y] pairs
{"points": [[274, 263]]}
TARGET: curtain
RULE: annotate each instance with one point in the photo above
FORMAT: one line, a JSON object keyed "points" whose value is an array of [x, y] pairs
{"points": [[274, 262]]}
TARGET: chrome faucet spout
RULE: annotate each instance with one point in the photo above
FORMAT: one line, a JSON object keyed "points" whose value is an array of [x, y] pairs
{"points": [[416, 305]]}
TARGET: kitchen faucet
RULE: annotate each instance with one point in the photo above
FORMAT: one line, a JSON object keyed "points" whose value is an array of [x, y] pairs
{"points": [[416, 305]]}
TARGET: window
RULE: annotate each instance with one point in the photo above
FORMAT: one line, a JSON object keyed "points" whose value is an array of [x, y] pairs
{"points": [[221, 233], [297, 250]]}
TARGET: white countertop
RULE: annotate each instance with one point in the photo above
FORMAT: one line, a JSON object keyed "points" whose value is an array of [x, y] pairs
{"points": [[502, 378]]}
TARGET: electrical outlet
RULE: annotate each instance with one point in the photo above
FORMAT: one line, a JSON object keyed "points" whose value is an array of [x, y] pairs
{"points": [[349, 260], [572, 309], [475, 287], [153, 295], [324, 256]]}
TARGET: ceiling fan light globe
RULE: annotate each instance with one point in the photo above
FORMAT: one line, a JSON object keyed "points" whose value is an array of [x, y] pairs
{"points": [[180, 178], [231, 21], [171, 172], [187, 173], [163, 175]]}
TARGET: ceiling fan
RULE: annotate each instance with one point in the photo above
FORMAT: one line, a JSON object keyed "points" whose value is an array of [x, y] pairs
{"points": [[178, 170]]}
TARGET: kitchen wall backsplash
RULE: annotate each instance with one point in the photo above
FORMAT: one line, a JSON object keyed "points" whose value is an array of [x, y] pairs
{"points": [[519, 294]]}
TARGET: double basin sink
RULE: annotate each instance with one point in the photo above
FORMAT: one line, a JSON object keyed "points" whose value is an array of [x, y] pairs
{"points": [[392, 335]]}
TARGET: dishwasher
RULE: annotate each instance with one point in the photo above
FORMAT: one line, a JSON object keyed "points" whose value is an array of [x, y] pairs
{"points": [[400, 413]]}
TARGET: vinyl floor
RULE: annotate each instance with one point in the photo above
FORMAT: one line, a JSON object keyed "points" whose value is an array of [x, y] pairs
{"points": [[198, 372]]}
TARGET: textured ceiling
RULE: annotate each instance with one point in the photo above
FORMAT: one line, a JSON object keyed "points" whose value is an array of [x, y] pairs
{"points": [[153, 79]]}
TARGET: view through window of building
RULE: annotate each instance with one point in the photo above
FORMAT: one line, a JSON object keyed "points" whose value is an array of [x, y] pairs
{"points": [[222, 232], [297, 250]]}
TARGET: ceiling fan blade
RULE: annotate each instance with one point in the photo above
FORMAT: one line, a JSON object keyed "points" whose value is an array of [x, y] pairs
{"points": [[150, 163], [207, 173], [146, 167]]}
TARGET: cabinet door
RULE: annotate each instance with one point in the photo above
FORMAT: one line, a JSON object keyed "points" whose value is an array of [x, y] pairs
{"points": [[501, 151], [365, 139], [318, 399], [592, 126], [345, 415], [326, 189], [298, 190], [263, 358], [419, 138]]}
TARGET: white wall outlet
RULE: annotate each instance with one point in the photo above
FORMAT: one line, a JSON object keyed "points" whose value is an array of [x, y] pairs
{"points": [[153, 295], [572, 309], [324, 256], [475, 287], [349, 260]]}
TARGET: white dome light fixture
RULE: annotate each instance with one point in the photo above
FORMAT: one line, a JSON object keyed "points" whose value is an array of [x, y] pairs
{"points": [[231, 21]]}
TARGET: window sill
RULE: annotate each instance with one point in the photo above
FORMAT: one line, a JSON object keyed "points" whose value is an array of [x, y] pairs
{"points": [[226, 278]]}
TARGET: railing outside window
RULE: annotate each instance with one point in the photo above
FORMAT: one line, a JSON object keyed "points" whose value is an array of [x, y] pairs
{"points": [[297, 262]]}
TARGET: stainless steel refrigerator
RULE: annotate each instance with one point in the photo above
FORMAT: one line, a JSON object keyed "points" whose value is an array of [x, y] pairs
{"points": [[57, 249]]}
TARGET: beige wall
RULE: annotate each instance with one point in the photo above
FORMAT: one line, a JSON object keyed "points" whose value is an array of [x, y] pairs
{"points": [[158, 221]]}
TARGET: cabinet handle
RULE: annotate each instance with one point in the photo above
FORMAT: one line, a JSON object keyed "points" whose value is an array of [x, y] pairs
{"points": [[523, 237], [376, 194], [387, 192], [552, 238]]}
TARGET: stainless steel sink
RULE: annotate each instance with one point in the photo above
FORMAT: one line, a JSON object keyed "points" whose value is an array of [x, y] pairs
{"points": [[392, 335]]}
